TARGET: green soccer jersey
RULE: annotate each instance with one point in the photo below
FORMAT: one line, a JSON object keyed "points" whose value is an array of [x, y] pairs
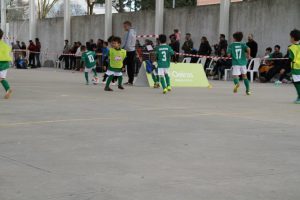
{"points": [[163, 55], [89, 59], [238, 52]]}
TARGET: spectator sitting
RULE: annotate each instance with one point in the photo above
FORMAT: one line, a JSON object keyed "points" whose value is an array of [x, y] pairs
{"points": [[221, 65], [223, 44], [205, 48], [188, 45], [175, 45]]}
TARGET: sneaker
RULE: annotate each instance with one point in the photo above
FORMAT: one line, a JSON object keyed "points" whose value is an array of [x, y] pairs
{"points": [[169, 88], [165, 91], [297, 101], [129, 84], [236, 88], [8, 94], [108, 89], [121, 87], [248, 93], [156, 85]]}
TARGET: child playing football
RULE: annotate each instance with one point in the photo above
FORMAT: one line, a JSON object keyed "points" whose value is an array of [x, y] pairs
{"points": [[294, 55], [89, 59], [163, 57], [5, 58], [116, 57], [239, 52]]}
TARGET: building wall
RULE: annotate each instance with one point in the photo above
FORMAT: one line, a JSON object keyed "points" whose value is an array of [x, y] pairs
{"points": [[269, 20]]}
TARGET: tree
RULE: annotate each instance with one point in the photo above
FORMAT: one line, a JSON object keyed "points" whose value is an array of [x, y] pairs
{"points": [[91, 4], [44, 7], [150, 4]]}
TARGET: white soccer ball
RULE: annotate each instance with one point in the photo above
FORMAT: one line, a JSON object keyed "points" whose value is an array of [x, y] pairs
{"points": [[95, 80]]}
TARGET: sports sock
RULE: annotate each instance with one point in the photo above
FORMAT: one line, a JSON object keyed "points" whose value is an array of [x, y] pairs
{"points": [[154, 78], [5, 85], [168, 80], [86, 75], [120, 80], [236, 81], [95, 72], [110, 78], [162, 81], [297, 86], [247, 84]]}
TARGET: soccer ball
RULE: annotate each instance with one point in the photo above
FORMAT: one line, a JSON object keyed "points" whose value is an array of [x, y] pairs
{"points": [[95, 80]]}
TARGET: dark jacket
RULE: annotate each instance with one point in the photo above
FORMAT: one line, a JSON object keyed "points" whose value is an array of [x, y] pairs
{"points": [[205, 49], [253, 47], [188, 46]]}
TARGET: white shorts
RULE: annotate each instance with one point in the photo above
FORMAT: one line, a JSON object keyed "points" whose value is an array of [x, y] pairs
{"points": [[89, 70], [296, 78], [239, 70], [3, 74], [162, 71], [109, 73]]}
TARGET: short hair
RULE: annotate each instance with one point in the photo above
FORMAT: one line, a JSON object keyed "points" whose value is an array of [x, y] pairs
{"points": [[105, 43], [162, 38], [188, 34], [110, 39], [295, 34], [37, 39], [66, 40], [277, 46], [117, 39], [176, 30], [222, 36], [127, 23], [269, 49], [238, 36], [1, 33], [82, 48]]}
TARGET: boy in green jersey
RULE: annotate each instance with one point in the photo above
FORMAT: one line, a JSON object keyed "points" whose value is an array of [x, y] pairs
{"points": [[5, 58], [294, 55], [89, 59], [239, 52], [116, 57], [163, 57]]}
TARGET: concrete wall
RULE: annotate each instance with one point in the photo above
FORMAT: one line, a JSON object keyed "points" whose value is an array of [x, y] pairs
{"points": [[269, 20]]}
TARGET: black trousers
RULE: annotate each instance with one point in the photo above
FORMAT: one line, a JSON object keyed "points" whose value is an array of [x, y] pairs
{"points": [[32, 60], [130, 63]]}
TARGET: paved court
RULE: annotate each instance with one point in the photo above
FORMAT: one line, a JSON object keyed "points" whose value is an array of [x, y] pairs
{"points": [[63, 140]]}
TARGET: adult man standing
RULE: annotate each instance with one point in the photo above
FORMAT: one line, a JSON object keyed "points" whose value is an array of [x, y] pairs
{"points": [[38, 51], [66, 55], [252, 45], [129, 42]]}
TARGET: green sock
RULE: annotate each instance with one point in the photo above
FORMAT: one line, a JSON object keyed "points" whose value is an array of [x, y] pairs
{"points": [[168, 80], [162, 81], [247, 84], [120, 80], [95, 72], [5, 85], [236, 81], [297, 86], [154, 78], [157, 79], [86, 75], [110, 78]]}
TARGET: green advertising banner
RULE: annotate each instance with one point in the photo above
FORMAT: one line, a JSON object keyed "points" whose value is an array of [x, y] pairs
{"points": [[185, 75]]}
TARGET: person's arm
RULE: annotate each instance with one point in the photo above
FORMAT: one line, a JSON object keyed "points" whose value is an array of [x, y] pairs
{"points": [[248, 52], [229, 52]]}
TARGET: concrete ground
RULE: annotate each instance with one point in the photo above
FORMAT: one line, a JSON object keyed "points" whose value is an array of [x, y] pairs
{"points": [[63, 140]]}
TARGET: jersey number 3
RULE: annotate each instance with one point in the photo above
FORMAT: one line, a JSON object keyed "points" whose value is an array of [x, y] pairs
{"points": [[164, 54]]}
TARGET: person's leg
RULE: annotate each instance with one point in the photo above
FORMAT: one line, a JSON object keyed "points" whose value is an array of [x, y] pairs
{"points": [[236, 72], [297, 86], [67, 62], [168, 80], [247, 84], [95, 72], [5, 84], [110, 78], [38, 62], [130, 66], [120, 80]]}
